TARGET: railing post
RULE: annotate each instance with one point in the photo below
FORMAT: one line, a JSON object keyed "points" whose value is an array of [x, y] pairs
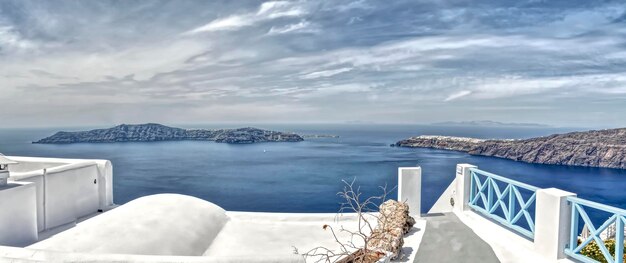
{"points": [[410, 188], [552, 222], [573, 237], [619, 239], [463, 182]]}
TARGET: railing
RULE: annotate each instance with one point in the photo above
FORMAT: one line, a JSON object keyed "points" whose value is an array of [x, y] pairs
{"points": [[618, 218], [486, 197]]}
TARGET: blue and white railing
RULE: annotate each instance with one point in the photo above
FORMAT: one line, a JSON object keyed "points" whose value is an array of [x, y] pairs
{"points": [[489, 191], [550, 219], [617, 219], [547, 221]]}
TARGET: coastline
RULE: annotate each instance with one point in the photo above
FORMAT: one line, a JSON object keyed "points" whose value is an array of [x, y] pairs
{"points": [[597, 148]]}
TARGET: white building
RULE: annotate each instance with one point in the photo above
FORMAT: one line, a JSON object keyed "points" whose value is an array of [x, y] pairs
{"points": [[62, 210]]}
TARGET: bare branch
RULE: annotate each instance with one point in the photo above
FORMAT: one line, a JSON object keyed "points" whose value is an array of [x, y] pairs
{"points": [[355, 248]]}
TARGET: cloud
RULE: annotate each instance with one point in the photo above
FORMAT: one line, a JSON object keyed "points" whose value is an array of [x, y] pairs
{"points": [[13, 41], [327, 60], [457, 95], [354, 19], [359, 4], [301, 27], [584, 20], [267, 11], [228, 23], [325, 91], [325, 73], [276, 9]]}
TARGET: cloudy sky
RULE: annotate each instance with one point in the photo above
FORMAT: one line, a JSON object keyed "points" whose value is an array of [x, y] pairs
{"points": [[109, 62]]}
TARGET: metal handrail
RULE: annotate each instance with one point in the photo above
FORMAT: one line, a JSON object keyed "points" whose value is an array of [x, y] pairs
{"points": [[596, 205], [504, 179]]}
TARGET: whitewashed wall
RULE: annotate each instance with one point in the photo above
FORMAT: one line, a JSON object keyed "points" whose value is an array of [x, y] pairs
{"points": [[443, 205], [66, 189], [18, 216], [71, 192], [36, 177], [30, 164]]}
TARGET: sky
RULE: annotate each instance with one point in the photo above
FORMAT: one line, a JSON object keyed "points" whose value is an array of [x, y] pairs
{"points": [[68, 63]]}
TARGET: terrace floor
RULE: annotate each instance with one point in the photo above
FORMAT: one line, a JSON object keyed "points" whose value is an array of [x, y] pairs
{"points": [[447, 239], [506, 244]]}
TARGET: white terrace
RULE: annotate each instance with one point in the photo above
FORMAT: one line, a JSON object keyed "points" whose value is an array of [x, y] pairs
{"points": [[62, 210]]}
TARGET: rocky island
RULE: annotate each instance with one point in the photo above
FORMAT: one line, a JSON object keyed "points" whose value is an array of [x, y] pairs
{"points": [[151, 132], [599, 148]]}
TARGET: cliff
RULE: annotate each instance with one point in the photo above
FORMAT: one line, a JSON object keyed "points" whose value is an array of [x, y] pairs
{"points": [[151, 132], [601, 148]]}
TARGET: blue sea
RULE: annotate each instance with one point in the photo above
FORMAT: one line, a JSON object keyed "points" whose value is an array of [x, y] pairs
{"points": [[306, 176]]}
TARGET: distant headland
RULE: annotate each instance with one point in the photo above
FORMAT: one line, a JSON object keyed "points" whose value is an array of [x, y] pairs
{"points": [[486, 123], [599, 148], [151, 132]]}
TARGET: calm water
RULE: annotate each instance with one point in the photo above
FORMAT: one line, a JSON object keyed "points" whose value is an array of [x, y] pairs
{"points": [[305, 176]]}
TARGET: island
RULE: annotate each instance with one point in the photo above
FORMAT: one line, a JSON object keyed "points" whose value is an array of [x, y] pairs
{"points": [[596, 148], [151, 132]]}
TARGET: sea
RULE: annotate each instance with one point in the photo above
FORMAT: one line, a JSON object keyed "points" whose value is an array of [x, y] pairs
{"points": [[306, 176]]}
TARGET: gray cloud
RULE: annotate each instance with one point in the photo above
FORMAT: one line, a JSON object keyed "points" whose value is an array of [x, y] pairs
{"points": [[312, 61]]}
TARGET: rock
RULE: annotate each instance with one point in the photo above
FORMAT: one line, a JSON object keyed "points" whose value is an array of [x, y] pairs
{"points": [[601, 148], [360, 257], [463, 144], [395, 214], [156, 132], [393, 223], [390, 240]]}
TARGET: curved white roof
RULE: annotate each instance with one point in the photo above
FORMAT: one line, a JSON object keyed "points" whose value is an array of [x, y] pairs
{"points": [[163, 224], [181, 228]]}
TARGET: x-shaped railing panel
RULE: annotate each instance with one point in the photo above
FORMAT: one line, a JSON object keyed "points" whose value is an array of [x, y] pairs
{"points": [[491, 198], [618, 218]]}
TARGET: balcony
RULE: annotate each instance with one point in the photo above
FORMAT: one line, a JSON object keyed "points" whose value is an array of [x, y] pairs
{"points": [[62, 210]]}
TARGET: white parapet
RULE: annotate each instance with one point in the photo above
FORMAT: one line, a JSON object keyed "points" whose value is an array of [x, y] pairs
{"points": [[462, 186], [410, 188], [66, 189], [552, 222], [443, 203], [18, 217]]}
